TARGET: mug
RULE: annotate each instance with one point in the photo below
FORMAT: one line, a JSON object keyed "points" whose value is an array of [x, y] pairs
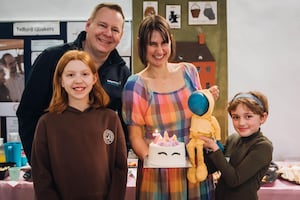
{"points": [[13, 152]]}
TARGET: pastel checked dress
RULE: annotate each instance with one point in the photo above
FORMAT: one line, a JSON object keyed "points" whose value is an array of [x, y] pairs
{"points": [[170, 112]]}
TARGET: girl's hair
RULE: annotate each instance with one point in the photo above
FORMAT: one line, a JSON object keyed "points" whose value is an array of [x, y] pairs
{"points": [[111, 6], [254, 100], [148, 25], [59, 102]]}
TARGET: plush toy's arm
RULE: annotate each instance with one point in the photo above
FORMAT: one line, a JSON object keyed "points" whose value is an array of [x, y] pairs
{"points": [[216, 125]]}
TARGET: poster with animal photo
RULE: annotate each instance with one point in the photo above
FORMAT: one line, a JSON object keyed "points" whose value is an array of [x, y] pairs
{"points": [[12, 83], [150, 8], [202, 13], [12, 79], [173, 13]]}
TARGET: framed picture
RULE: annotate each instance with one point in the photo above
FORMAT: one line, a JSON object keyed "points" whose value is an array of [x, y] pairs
{"points": [[150, 8], [11, 70], [173, 16], [37, 46], [73, 29], [202, 13]]}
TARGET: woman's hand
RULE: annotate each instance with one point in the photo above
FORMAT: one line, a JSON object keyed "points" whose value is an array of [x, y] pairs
{"points": [[214, 90], [139, 145]]}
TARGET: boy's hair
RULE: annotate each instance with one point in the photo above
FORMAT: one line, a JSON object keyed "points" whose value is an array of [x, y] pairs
{"points": [[254, 100]]}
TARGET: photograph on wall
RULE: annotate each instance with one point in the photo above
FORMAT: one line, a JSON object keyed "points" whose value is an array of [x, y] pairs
{"points": [[173, 13], [12, 79], [150, 8], [125, 46], [127, 60], [73, 29], [202, 13], [37, 46]]}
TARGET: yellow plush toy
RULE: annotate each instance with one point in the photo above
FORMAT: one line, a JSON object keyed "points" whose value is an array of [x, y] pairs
{"points": [[203, 123]]}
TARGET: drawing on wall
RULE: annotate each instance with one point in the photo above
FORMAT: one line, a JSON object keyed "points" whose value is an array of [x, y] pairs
{"points": [[173, 13], [202, 13], [12, 79], [150, 8]]}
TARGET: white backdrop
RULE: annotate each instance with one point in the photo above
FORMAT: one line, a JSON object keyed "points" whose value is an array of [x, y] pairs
{"points": [[264, 48], [63, 10]]}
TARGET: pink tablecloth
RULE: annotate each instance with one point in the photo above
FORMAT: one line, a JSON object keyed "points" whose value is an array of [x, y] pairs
{"points": [[23, 190], [280, 190], [16, 190]]}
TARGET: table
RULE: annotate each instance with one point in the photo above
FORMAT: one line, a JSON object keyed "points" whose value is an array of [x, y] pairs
{"points": [[16, 190], [23, 190], [279, 190]]}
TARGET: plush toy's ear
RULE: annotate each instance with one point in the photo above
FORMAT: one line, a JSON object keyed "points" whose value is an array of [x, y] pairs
{"points": [[198, 103]]}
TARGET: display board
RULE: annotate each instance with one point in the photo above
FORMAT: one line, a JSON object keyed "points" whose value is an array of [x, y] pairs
{"points": [[26, 40]]}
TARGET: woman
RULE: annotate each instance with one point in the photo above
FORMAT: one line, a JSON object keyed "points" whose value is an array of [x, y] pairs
{"points": [[156, 99]]}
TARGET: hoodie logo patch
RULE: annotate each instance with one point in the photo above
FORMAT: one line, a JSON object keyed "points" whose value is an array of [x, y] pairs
{"points": [[113, 83], [108, 136]]}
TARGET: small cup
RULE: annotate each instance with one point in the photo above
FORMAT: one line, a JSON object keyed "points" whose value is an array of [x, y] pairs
{"points": [[14, 173]]}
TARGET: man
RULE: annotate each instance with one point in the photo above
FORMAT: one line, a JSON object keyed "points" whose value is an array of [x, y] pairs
{"points": [[103, 32], [15, 83]]}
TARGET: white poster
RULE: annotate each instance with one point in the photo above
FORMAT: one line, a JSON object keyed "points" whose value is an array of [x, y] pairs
{"points": [[202, 12], [150, 8], [173, 13]]}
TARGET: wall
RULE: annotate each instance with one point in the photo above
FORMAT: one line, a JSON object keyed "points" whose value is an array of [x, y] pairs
{"points": [[263, 48], [263, 54], [66, 10]]}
